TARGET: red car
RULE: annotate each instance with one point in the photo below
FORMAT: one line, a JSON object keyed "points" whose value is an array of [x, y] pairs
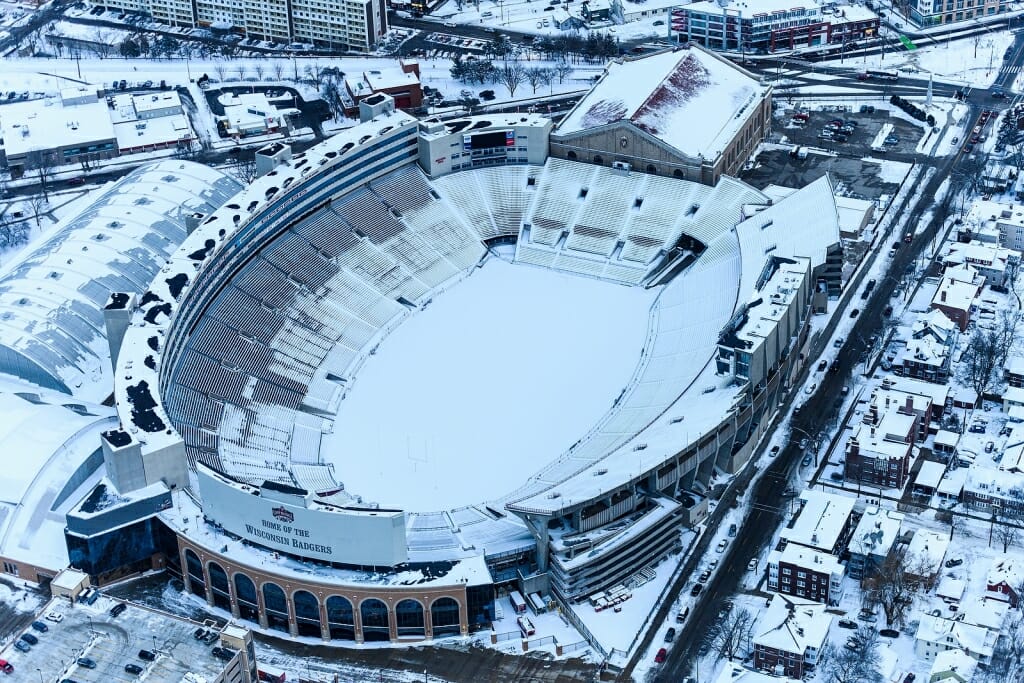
{"points": [[8, 668], [661, 656]]}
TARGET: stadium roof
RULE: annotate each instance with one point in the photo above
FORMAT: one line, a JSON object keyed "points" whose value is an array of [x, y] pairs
{"points": [[52, 332], [688, 99]]}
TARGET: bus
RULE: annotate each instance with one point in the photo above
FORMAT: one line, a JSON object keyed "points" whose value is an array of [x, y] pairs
{"points": [[883, 75], [270, 673]]}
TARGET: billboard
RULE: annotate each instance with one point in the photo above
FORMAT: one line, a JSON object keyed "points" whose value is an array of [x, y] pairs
{"points": [[280, 522], [491, 140]]}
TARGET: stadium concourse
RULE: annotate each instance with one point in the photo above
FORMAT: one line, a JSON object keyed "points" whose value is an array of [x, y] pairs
{"points": [[233, 464]]}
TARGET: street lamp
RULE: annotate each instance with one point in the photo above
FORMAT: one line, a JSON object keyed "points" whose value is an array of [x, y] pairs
{"points": [[815, 441]]}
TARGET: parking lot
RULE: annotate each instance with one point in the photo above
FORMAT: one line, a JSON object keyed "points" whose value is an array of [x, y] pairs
{"points": [[88, 631], [857, 177], [865, 129]]}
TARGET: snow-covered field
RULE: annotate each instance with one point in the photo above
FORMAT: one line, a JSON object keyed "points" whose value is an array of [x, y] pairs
{"points": [[447, 409]]}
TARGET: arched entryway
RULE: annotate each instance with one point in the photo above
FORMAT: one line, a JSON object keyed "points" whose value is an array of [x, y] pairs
{"points": [[307, 613], [276, 606], [245, 595], [219, 586], [376, 625], [444, 617], [409, 619], [341, 618], [195, 573]]}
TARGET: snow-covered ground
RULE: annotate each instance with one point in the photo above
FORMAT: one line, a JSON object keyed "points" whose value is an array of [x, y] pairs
{"points": [[447, 408], [975, 61]]}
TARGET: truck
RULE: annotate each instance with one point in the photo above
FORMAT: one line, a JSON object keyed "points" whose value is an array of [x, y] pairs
{"points": [[526, 626], [518, 604]]}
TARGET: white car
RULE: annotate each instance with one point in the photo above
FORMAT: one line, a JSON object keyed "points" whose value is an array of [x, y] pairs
{"points": [[55, 617], [720, 548], [752, 565], [811, 388]]}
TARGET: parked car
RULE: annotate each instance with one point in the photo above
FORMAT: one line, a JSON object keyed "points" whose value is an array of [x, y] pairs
{"points": [[854, 313], [133, 668], [22, 646], [661, 656], [55, 617], [670, 635], [40, 626], [989, 447], [29, 638], [822, 365], [889, 633], [752, 565], [806, 461], [682, 614], [118, 609], [953, 562], [697, 588], [6, 666], [147, 655], [87, 662], [839, 342], [720, 548], [847, 623], [773, 452]]}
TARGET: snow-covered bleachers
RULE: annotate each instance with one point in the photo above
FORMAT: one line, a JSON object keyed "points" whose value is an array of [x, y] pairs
{"points": [[368, 215], [492, 200], [559, 199], [405, 189], [315, 477]]}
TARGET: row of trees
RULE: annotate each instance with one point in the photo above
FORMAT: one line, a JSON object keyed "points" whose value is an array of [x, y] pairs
{"points": [[510, 74]]}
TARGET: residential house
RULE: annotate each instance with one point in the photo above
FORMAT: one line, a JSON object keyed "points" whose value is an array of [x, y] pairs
{"points": [[881, 454], [929, 476], [824, 522], [872, 540], [790, 635], [956, 297], [938, 634], [806, 573], [929, 351], [1004, 580], [737, 673], [1013, 371], [938, 393], [952, 666], [924, 555], [997, 486], [918, 406], [992, 262]]}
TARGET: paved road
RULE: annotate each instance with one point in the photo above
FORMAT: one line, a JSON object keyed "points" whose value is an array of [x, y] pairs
{"points": [[815, 415]]}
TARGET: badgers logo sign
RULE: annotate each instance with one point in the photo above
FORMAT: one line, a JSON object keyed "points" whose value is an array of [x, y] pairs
{"points": [[283, 514]]}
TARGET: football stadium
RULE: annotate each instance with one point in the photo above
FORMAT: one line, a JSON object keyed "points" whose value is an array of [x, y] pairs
{"points": [[424, 363]]}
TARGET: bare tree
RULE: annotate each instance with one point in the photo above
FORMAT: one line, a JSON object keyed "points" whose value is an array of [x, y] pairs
{"points": [[221, 70], [536, 76], [278, 70], [1007, 662], [732, 635], [562, 69], [857, 662], [244, 168], [511, 75], [240, 71], [1004, 528], [977, 366], [44, 164], [259, 69], [38, 205], [891, 588]]}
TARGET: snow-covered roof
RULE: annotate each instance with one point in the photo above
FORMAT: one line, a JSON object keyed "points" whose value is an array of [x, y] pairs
{"points": [[149, 102], [821, 520], [930, 473], [470, 124], [851, 213], [989, 256], [689, 99], [69, 579], [1013, 395], [792, 624], [985, 612], [53, 437], [1006, 570], [874, 441], [52, 331], [876, 531], [952, 485], [946, 438], [735, 673], [953, 663], [938, 393], [807, 558], [926, 551], [951, 588], [925, 351], [44, 124], [976, 640], [934, 323]]}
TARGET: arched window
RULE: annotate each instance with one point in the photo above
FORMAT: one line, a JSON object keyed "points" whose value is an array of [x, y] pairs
{"points": [[245, 593], [307, 613], [375, 620], [195, 573], [652, 169], [219, 586], [341, 618], [409, 618], [444, 616], [677, 173], [276, 606], [598, 159], [571, 156]]}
